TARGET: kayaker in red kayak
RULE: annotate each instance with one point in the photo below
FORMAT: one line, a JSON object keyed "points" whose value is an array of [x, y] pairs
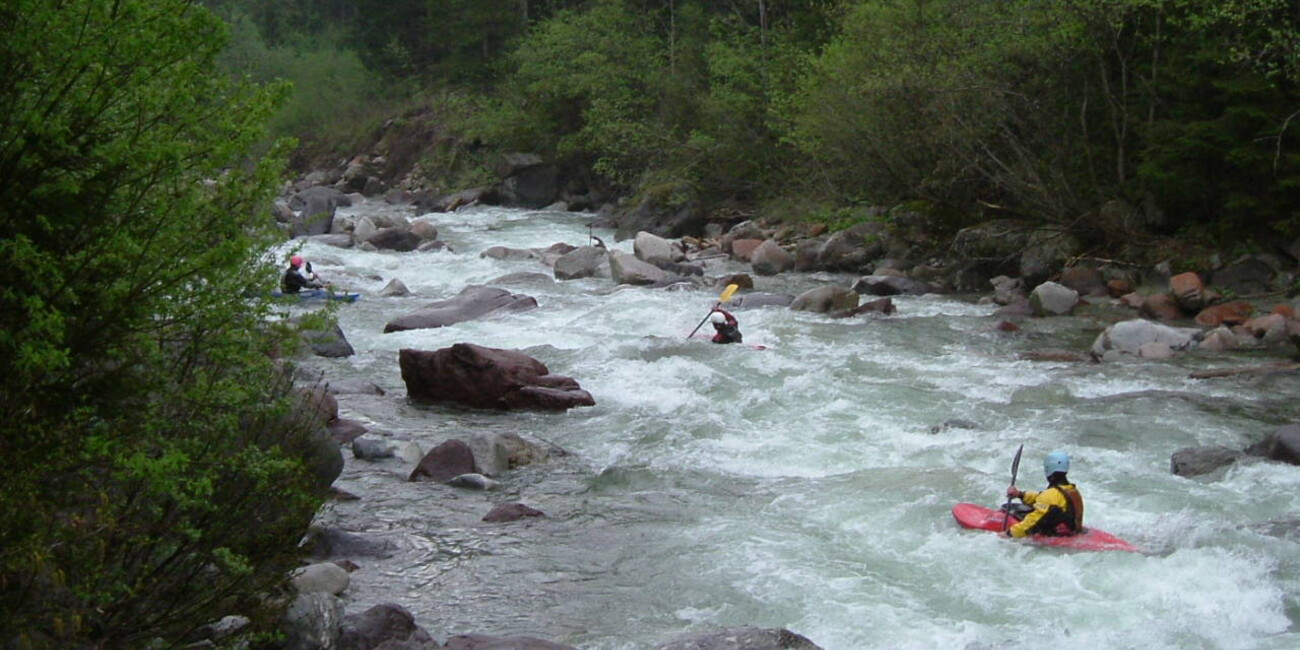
{"points": [[725, 326], [1057, 510]]}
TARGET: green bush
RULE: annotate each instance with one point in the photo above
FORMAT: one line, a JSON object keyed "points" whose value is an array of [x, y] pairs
{"points": [[157, 468]]}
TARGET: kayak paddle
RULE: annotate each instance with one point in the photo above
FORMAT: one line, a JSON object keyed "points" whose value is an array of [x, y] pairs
{"points": [[1015, 469], [726, 295]]}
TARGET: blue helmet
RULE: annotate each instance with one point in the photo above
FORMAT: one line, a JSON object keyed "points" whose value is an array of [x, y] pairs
{"points": [[1057, 461]]}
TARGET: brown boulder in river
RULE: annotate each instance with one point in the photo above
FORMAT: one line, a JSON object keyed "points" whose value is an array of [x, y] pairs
{"points": [[483, 377]]}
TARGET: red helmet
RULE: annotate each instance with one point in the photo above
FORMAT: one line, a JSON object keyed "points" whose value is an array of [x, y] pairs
{"points": [[296, 260]]}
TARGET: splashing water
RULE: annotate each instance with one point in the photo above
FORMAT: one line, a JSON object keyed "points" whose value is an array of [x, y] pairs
{"points": [[801, 486]]}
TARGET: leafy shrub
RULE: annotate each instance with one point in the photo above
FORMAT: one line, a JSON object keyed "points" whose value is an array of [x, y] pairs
{"points": [[157, 467]]}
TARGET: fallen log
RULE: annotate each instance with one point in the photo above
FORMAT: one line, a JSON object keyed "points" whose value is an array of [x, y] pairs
{"points": [[1246, 370]]}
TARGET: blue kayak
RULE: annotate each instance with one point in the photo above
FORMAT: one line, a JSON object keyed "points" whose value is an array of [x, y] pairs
{"points": [[316, 294]]}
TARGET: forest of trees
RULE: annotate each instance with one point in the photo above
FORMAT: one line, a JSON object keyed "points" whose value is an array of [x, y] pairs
{"points": [[1033, 110]]}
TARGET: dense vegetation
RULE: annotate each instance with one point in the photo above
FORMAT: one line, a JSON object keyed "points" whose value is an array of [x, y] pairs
{"points": [[156, 472], [1039, 111]]}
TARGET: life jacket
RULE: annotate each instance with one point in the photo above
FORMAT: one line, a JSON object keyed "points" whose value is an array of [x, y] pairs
{"points": [[1058, 521]]}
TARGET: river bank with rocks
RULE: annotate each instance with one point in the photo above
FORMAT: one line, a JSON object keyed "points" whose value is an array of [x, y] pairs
{"points": [[1241, 309]]}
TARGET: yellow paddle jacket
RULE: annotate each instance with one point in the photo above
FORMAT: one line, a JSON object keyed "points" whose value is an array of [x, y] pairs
{"points": [[1057, 505]]}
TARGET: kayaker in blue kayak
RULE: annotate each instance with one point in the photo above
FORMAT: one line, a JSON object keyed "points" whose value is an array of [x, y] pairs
{"points": [[1058, 510], [725, 326], [294, 280]]}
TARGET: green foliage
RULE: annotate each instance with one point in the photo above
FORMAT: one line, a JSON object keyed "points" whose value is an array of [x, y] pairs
{"points": [[1048, 109], [587, 80], [334, 99], [154, 475]]}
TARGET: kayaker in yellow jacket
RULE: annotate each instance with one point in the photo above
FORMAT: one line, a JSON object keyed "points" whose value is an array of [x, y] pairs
{"points": [[1058, 510]]}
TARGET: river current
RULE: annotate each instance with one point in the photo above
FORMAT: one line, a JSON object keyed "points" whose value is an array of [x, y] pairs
{"points": [[801, 486]]}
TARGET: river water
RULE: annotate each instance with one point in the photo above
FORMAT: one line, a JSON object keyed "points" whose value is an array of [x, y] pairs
{"points": [[801, 486]]}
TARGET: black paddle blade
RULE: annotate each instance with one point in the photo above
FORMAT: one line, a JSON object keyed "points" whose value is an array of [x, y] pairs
{"points": [[1015, 464], [1015, 469]]}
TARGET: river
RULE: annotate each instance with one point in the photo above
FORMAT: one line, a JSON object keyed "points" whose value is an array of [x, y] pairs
{"points": [[801, 486]]}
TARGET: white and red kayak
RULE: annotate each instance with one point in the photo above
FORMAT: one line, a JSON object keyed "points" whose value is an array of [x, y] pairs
{"points": [[969, 515]]}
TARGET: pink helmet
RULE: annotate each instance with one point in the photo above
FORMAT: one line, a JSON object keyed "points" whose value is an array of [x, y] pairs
{"points": [[296, 260]]}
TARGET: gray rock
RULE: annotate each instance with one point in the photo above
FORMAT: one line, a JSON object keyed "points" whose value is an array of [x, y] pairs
{"points": [[1282, 445], [759, 299], [337, 240], [1195, 461], [627, 269], [507, 512], [655, 249], [1245, 276], [1128, 336], [471, 303], [329, 343], [434, 246], [532, 186], [444, 462], [322, 577], [510, 254], [398, 239], [954, 423], [583, 262], [1046, 251], [352, 386], [343, 430], [1007, 290], [312, 622], [825, 299], [1052, 299], [473, 481], [555, 251], [743, 638], [381, 625], [371, 449], [328, 543], [1155, 350], [525, 278], [487, 642], [364, 228], [1002, 240], [425, 230], [891, 285], [394, 288], [851, 250], [770, 259], [491, 454]]}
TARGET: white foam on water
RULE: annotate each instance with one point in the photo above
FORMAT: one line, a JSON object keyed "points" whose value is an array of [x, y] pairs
{"points": [[801, 486]]}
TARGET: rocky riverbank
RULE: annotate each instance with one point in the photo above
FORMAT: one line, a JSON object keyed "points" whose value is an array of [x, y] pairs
{"points": [[1157, 313]]}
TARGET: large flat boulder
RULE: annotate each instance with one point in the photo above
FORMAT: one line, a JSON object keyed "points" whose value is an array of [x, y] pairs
{"points": [[1129, 336], [482, 377], [472, 303], [583, 262], [627, 269], [826, 299]]}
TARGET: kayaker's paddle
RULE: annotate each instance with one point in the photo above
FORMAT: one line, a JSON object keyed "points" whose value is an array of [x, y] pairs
{"points": [[726, 295], [1006, 510]]}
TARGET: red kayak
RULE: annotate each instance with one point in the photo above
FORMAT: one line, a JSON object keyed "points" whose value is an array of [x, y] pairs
{"points": [[752, 346], [969, 515]]}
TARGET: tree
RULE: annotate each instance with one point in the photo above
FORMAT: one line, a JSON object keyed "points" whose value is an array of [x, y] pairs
{"points": [[588, 81], [157, 470]]}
